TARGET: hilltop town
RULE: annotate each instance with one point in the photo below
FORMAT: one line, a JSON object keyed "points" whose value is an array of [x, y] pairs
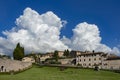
{"points": [[82, 59], [85, 59]]}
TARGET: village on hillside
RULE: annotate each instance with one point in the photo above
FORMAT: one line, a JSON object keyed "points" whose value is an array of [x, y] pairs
{"points": [[86, 59], [81, 59]]}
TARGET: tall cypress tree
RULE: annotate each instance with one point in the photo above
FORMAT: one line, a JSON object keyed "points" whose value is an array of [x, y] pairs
{"points": [[55, 56], [18, 52], [66, 53]]}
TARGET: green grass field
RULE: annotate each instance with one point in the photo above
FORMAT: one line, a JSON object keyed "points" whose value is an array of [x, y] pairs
{"points": [[53, 73]]}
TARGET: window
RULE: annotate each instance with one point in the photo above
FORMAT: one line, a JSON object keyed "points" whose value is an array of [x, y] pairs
{"points": [[95, 64], [100, 63], [105, 64], [84, 59], [80, 59], [89, 59], [99, 58], [89, 64], [95, 59]]}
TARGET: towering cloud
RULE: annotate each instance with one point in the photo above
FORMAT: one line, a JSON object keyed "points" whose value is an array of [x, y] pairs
{"points": [[41, 33], [86, 37]]}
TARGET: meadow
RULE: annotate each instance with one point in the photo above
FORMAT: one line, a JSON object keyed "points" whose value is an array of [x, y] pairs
{"points": [[54, 73]]}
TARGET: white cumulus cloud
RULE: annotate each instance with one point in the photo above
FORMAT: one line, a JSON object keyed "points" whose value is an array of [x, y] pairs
{"points": [[87, 37], [116, 51], [41, 33]]}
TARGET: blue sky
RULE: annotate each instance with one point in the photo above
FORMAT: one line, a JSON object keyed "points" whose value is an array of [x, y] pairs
{"points": [[104, 13]]}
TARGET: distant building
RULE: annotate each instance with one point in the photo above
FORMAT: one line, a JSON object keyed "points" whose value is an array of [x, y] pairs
{"points": [[66, 61], [85, 59], [60, 53], [75, 53], [43, 57], [100, 59], [28, 59], [112, 63], [91, 59]]}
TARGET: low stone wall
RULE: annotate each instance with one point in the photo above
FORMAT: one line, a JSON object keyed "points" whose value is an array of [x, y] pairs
{"points": [[8, 65], [66, 61]]}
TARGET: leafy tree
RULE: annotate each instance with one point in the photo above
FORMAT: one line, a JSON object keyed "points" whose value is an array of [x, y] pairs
{"points": [[66, 53], [18, 52], [4, 56], [55, 55]]}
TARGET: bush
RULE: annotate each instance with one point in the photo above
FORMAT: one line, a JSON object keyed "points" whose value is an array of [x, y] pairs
{"points": [[117, 71], [62, 68], [80, 65], [2, 73], [96, 68], [12, 72], [54, 62]]}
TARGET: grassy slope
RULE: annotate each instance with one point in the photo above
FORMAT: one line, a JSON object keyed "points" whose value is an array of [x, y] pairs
{"points": [[52, 73]]}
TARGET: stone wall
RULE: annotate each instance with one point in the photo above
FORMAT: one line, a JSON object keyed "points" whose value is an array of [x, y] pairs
{"points": [[13, 65]]}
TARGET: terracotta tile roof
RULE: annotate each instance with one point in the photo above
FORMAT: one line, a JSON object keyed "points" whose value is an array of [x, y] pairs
{"points": [[92, 53], [113, 57]]}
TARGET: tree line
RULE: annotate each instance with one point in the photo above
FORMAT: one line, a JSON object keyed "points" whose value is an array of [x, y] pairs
{"points": [[19, 53]]}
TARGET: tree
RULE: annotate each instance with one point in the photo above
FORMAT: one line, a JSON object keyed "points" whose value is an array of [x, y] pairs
{"points": [[55, 56], [18, 52], [66, 53], [4, 56]]}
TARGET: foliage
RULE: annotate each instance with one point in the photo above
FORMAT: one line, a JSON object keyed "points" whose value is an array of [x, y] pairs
{"points": [[96, 68], [117, 71], [55, 56], [18, 52], [80, 65], [4, 56], [54, 62], [66, 53], [62, 68]]}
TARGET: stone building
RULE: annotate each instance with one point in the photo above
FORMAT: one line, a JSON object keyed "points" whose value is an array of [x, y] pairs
{"points": [[112, 63], [91, 59], [75, 53], [28, 59], [43, 57], [61, 53], [100, 59]]}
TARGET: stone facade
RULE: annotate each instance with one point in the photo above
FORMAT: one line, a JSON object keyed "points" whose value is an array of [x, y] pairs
{"points": [[100, 59], [75, 53], [28, 59], [60, 53], [90, 59], [43, 57], [66, 61], [112, 63], [13, 65]]}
